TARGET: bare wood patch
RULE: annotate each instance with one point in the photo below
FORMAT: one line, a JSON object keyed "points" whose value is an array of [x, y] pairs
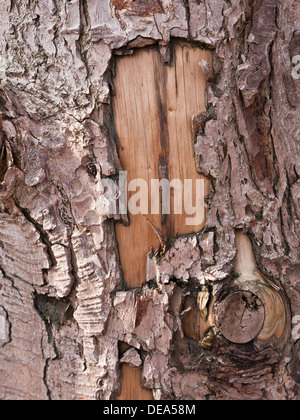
{"points": [[153, 107], [131, 388]]}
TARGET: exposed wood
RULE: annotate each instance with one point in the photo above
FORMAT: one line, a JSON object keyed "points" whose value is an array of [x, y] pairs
{"points": [[269, 293], [191, 321], [245, 264], [153, 109], [131, 385], [194, 325], [242, 317]]}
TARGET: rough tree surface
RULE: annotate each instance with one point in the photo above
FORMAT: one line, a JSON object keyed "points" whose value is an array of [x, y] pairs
{"points": [[64, 308]]}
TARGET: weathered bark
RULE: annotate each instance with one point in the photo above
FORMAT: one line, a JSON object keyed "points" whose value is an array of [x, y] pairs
{"points": [[64, 308]]}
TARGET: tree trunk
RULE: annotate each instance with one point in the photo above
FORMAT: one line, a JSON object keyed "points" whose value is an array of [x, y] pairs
{"points": [[216, 314]]}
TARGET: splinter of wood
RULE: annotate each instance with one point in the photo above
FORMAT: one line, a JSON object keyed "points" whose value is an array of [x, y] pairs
{"points": [[164, 241]]}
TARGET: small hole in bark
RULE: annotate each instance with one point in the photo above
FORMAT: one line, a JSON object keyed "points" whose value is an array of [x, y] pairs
{"points": [[91, 169], [53, 311]]}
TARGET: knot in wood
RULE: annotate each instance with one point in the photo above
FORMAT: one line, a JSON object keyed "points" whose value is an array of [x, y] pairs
{"points": [[242, 317]]}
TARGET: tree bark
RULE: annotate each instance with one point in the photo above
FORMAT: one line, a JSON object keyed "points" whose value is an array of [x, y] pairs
{"points": [[68, 321]]}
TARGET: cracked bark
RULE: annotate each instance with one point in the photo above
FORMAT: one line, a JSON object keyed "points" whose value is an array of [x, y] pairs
{"points": [[64, 307]]}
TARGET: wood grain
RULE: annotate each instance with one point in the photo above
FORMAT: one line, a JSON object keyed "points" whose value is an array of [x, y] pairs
{"points": [[257, 310], [242, 318], [131, 389], [131, 385], [193, 325], [153, 109]]}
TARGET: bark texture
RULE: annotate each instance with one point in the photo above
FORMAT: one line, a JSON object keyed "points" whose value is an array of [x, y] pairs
{"points": [[64, 308]]}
